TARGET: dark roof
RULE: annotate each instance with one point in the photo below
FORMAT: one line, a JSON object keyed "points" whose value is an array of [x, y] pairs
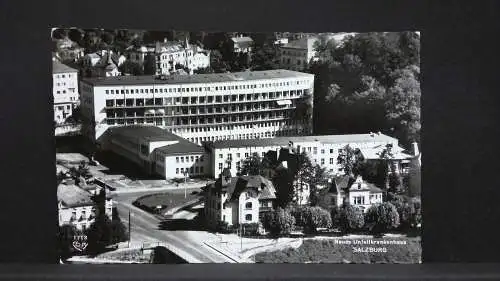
{"points": [[58, 67], [284, 141], [195, 78], [182, 147], [263, 186], [152, 133]]}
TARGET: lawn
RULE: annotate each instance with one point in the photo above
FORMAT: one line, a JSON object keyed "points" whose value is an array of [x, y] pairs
{"points": [[167, 200], [328, 251]]}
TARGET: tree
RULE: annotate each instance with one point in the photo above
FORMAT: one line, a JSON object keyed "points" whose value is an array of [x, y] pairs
{"points": [[252, 165], [312, 218], [381, 218], [149, 65], [265, 58], [59, 33], [66, 236], [386, 165], [279, 222], [349, 160], [403, 105], [350, 218], [108, 37], [356, 81], [131, 67], [76, 35], [283, 183]]}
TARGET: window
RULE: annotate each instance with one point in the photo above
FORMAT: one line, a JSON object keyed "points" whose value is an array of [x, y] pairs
{"points": [[248, 217], [331, 160], [331, 150], [359, 200], [322, 161], [182, 159], [220, 156], [322, 151], [246, 154], [238, 155], [248, 205], [220, 166], [315, 150]]}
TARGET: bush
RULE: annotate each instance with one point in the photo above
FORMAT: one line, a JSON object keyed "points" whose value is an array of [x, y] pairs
{"points": [[224, 227], [382, 217], [279, 222], [250, 229], [350, 218], [312, 218]]}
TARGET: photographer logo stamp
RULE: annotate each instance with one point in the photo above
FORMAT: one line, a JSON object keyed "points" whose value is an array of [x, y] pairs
{"points": [[80, 242]]}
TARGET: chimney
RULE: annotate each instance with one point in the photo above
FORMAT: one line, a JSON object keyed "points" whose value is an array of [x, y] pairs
{"points": [[415, 148]]}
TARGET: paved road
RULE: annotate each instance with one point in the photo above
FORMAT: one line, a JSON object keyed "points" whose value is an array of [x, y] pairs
{"points": [[146, 225]]}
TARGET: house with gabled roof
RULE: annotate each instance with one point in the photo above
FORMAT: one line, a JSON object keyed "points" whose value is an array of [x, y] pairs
{"points": [[238, 200], [356, 192]]}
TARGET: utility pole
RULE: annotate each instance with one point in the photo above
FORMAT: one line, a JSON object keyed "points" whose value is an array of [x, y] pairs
{"points": [[129, 229]]}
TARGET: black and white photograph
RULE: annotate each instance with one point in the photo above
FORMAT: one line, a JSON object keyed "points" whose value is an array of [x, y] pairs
{"points": [[178, 147]]}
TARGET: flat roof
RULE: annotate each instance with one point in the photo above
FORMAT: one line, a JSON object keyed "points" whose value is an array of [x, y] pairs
{"points": [[58, 67], [283, 141], [195, 78]]}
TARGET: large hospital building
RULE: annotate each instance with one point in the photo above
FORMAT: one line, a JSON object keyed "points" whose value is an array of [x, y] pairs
{"points": [[203, 107]]}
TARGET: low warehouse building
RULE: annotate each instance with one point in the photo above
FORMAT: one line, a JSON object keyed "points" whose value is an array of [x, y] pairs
{"points": [[157, 151]]}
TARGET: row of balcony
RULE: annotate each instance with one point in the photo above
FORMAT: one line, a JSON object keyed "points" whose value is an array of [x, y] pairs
{"points": [[181, 104], [112, 121], [160, 113]]}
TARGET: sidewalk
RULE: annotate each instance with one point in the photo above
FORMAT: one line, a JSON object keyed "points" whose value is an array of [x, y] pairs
{"points": [[244, 248]]}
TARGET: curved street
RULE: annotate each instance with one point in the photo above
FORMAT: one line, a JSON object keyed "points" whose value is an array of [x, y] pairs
{"points": [[146, 226]]}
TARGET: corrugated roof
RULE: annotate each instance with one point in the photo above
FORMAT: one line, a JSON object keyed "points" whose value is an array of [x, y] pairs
{"points": [[58, 67], [196, 78], [284, 141], [73, 196]]}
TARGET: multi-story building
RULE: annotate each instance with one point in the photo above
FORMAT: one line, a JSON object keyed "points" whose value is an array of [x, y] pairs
{"points": [[76, 206], [167, 56], [296, 54], [322, 150], [242, 44], [201, 107], [65, 90], [238, 200], [156, 151]]}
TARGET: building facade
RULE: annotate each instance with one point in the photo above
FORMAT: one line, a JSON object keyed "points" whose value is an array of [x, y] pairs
{"points": [[167, 56], [296, 54], [238, 200], [242, 44], [77, 208], [201, 107], [361, 195], [322, 150], [157, 151], [65, 90]]}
